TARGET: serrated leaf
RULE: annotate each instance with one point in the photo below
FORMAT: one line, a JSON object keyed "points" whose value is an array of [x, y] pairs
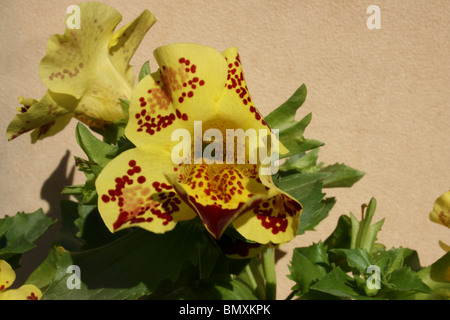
{"points": [[341, 236], [95, 149], [404, 279], [21, 231], [308, 265], [122, 145], [307, 189], [301, 162], [340, 176], [42, 276], [356, 258], [142, 259], [284, 116], [395, 258], [339, 284], [59, 290], [291, 131]]}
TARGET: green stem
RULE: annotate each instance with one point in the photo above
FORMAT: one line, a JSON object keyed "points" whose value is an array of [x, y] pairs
{"points": [[291, 295], [270, 274], [258, 278]]}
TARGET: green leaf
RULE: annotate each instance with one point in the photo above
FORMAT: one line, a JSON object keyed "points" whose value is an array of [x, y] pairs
{"points": [[19, 232], [43, 275], [340, 176], [291, 131], [341, 236], [308, 265], [404, 279], [122, 145], [284, 116], [364, 234], [59, 290], [339, 284], [145, 70], [436, 277], [141, 258], [206, 289], [356, 258], [95, 149], [66, 235], [301, 162], [307, 189], [395, 258]]}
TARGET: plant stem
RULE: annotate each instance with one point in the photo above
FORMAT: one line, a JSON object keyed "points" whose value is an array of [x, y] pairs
{"points": [[270, 274], [257, 277], [290, 296]]}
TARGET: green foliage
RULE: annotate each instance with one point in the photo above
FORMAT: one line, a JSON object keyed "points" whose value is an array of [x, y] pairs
{"points": [[19, 232], [145, 71], [344, 267], [301, 175]]}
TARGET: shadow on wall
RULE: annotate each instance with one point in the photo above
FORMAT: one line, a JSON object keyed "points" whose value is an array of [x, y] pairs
{"points": [[50, 192]]}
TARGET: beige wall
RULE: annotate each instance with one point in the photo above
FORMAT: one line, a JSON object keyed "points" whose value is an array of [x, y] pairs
{"points": [[380, 98]]}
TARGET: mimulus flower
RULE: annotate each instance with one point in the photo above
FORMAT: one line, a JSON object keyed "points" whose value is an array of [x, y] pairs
{"points": [[441, 210], [86, 71], [201, 92], [7, 277], [441, 214]]}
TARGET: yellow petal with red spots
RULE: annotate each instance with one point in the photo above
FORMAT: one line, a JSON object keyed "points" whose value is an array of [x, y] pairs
{"points": [[236, 102], [133, 191], [7, 275], [275, 220], [441, 210], [25, 292], [153, 117], [219, 192], [46, 117], [193, 77], [92, 64]]}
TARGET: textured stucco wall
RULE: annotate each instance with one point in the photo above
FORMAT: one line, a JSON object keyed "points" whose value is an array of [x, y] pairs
{"points": [[379, 98]]}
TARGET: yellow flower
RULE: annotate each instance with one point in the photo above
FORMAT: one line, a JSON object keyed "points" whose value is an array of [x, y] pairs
{"points": [[441, 214], [195, 89], [441, 210], [7, 277], [86, 71]]}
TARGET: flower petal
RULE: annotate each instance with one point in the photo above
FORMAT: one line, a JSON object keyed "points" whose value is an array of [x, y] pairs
{"points": [[441, 210], [193, 76], [25, 292], [275, 220], [79, 63], [7, 275], [236, 98], [125, 42], [153, 117], [133, 191], [236, 102], [218, 193], [46, 116]]}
